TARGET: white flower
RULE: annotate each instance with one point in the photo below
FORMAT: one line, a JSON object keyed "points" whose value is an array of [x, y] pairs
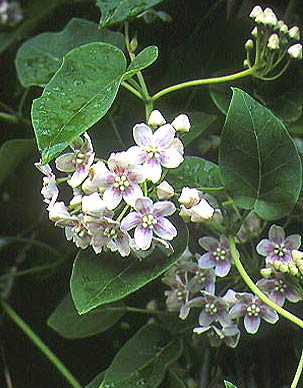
{"points": [[78, 161], [295, 51], [189, 197], [155, 149], [294, 33], [49, 190], [201, 212], [156, 119], [273, 42], [165, 190], [185, 213], [282, 27], [254, 32], [181, 123], [93, 205], [270, 18], [59, 214]]}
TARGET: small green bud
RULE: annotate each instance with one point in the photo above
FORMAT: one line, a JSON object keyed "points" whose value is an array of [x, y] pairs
{"points": [[273, 42], [256, 11], [266, 272], [284, 268], [254, 32], [249, 45], [294, 33], [297, 256], [133, 44], [282, 27], [293, 270], [295, 51]]}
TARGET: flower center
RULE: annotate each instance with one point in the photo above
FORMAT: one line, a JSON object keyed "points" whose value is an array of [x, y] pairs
{"points": [[280, 250], [121, 182], [280, 286], [148, 221], [253, 310], [110, 232], [80, 157], [80, 231], [180, 295], [201, 276], [219, 254], [210, 308], [152, 151]]}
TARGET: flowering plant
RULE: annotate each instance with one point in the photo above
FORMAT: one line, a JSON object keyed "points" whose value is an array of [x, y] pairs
{"points": [[192, 219]]}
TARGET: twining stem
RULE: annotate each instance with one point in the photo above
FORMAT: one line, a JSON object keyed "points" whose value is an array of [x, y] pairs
{"points": [[203, 81], [41, 345], [296, 379], [284, 313]]}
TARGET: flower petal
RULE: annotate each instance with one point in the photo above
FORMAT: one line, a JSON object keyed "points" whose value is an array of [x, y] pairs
{"points": [[293, 241], [265, 247], [164, 135], [130, 221], [171, 158], [152, 170], [122, 242], [164, 208], [269, 315], [165, 229], [143, 237], [205, 319], [208, 243], [222, 268], [136, 155], [131, 194], [276, 234], [112, 197], [66, 162], [206, 261], [251, 324], [142, 134], [144, 205]]}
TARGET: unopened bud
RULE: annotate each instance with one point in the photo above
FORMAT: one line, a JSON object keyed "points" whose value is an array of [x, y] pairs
{"points": [[249, 45], [273, 42], [201, 212], [245, 63], [283, 267], [92, 204], [282, 27], [165, 190], [254, 32], [181, 123], [294, 33], [133, 44], [189, 197], [156, 119], [293, 270], [76, 200], [88, 187], [277, 264], [270, 18], [256, 11], [295, 51], [297, 256], [185, 213], [266, 272]]}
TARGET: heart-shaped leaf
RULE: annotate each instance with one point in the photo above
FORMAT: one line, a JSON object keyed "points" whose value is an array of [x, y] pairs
{"points": [[259, 163], [69, 324], [100, 279], [39, 58], [79, 94]]}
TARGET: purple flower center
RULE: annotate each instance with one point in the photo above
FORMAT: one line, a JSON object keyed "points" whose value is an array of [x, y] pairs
{"points": [[210, 308], [253, 310], [148, 221]]}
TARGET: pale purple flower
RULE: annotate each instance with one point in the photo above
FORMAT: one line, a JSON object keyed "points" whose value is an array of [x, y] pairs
{"points": [[230, 335], [253, 309], [157, 149], [149, 218], [203, 280], [279, 289], [214, 309], [178, 296], [277, 247], [77, 162], [49, 190], [120, 181], [218, 255]]}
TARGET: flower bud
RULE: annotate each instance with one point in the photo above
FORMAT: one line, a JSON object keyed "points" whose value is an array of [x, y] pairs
{"points": [[76, 200], [249, 45], [266, 272], [245, 63], [256, 11], [165, 190], [270, 18], [294, 33], [293, 270], [92, 204], [282, 27], [297, 256], [201, 212], [273, 42], [189, 197], [156, 119], [283, 267], [58, 212], [254, 32], [88, 187], [295, 51], [181, 123], [133, 44], [185, 213]]}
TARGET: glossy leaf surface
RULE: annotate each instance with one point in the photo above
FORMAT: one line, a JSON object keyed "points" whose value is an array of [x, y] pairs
{"points": [[145, 58]]}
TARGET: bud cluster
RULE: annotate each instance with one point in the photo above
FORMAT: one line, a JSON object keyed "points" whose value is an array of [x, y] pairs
{"points": [[273, 41], [10, 13]]}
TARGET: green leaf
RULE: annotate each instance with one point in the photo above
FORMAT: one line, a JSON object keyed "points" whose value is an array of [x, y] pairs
{"points": [[97, 380], [259, 163], [200, 122], [105, 278], [39, 58], [174, 380], [79, 94], [144, 359], [115, 11], [69, 324], [195, 172], [12, 153], [144, 59], [229, 385]]}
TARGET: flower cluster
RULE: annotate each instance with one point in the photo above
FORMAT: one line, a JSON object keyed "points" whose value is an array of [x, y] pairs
{"points": [[273, 41], [193, 283], [127, 192], [10, 13]]}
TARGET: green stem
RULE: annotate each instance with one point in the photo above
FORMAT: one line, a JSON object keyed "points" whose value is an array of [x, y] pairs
{"points": [[297, 376], [41, 345], [204, 81], [132, 90], [8, 117], [284, 313], [29, 271], [135, 310]]}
